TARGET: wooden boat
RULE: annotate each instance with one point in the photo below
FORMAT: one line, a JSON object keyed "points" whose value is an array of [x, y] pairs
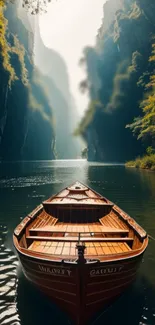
{"points": [[80, 249]]}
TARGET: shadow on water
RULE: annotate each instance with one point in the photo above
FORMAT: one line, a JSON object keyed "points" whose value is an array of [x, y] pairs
{"points": [[34, 307], [135, 307]]}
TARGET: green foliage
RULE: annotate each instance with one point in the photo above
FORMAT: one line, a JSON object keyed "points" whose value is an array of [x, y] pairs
{"points": [[150, 151], [88, 118], [135, 12], [7, 51], [25, 113], [33, 103], [5, 48], [152, 57], [144, 126], [84, 153], [36, 106], [19, 50], [146, 162], [130, 163], [118, 74]]}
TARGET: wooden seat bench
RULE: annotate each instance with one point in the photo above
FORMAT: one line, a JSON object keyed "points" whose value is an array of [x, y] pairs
{"points": [[30, 239], [49, 232]]}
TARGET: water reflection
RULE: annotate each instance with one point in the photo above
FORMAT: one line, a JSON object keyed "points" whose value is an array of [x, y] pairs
{"points": [[34, 308], [135, 307]]}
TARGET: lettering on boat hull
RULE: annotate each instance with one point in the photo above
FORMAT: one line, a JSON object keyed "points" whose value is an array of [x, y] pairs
{"points": [[54, 270], [111, 269]]}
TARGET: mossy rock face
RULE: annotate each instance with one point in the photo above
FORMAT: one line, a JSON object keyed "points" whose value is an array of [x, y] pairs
{"points": [[17, 87], [125, 67]]}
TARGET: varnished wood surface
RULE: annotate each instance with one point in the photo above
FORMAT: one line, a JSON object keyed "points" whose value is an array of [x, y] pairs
{"points": [[69, 248], [97, 290], [108, 236], [85, 229], [90, 240], [110, 221], [77, 193], [116, 257], [113, 245], [43, 220]]}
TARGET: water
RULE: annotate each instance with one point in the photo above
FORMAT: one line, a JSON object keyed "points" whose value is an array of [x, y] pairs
{"points": [[25, 185]]}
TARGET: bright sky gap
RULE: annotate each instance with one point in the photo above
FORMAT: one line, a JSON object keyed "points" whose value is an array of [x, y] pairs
{"points": [[68, 27]]}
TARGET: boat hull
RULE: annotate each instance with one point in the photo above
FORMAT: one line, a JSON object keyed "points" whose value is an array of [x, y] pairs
{"points": [[81, 291]]}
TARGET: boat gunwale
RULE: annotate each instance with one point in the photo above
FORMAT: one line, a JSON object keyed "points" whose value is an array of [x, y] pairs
{"points": [[101, 258], [131, 222], [78, 203]]}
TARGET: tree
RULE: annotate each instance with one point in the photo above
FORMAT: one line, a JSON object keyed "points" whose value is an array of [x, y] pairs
{"points": [[34, 6], [84, 153], [150, 151], [144, 126]]}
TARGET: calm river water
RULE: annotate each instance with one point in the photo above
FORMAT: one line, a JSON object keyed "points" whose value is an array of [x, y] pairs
{"points": [[25, 185]]}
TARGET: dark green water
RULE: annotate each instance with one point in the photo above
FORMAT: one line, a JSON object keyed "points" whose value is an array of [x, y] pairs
{"points": [[22, 187]]}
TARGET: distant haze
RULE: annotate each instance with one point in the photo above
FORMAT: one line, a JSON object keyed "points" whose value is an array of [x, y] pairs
{"points": [[68, 27]]}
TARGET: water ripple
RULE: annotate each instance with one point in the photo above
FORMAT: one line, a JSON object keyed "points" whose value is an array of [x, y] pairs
{"points": [[8, 283], [28, 181]]}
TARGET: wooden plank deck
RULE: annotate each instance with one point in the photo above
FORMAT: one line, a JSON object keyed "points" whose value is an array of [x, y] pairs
{"points": [[107, 236], [69, 248], [44, 220]]}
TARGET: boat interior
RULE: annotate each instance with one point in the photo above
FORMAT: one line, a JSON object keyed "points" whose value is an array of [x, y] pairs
{"points": [[70, 218]]}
